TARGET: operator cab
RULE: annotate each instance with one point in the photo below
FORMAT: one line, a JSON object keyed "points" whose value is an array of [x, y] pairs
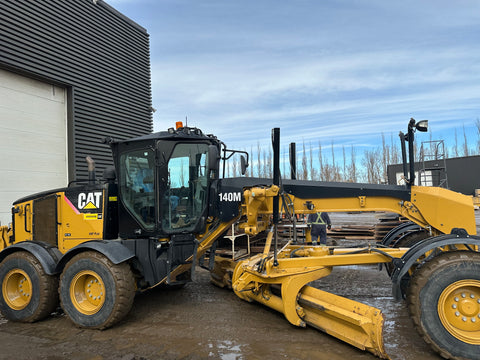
{"points": [[163, 182]]}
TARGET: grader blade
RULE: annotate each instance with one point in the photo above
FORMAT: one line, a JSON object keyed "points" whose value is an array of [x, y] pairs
{"points": [[355, 323], [283, 287]]}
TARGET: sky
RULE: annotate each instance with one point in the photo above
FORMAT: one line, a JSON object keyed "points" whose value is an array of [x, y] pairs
{"points": [[322, 71]]}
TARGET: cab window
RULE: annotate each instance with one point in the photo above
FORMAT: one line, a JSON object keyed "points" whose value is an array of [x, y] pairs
{"points": [[137, 185], [186, 190]]}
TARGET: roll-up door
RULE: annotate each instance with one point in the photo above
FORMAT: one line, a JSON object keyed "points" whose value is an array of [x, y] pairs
{"points": [[33, 143]]}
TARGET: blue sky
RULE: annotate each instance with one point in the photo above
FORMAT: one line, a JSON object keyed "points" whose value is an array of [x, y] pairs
{"points": [[341, 71]]}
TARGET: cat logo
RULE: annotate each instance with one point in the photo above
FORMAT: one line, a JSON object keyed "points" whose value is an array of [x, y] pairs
{"points": [[89, 201]]}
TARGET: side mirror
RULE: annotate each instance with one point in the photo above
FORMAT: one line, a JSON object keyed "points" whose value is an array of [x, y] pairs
{"points": [[213, 158], [243, 164]]}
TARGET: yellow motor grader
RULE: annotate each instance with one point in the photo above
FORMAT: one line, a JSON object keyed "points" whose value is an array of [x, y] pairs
{"points": [[92, 245]]}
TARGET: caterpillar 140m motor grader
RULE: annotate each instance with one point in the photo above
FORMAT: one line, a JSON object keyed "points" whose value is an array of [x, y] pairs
{"points": [[95, 244]]}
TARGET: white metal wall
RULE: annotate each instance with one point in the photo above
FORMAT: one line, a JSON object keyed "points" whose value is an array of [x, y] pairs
{"points": [[33, 142]]}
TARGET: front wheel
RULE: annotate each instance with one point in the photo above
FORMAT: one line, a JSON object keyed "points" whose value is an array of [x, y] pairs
{"points": [[407, 239], [444, 301], [94, 292], [28, 293]]}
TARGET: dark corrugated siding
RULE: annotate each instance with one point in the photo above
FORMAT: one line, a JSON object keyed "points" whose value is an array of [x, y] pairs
{"points": [[103, 56], [459, 179]]}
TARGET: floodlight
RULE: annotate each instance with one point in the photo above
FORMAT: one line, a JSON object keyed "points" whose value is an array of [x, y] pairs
{"points": [[422, 125]]}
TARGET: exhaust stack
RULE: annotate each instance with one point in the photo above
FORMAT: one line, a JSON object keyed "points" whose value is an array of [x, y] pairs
{"points": [[91, 170]]}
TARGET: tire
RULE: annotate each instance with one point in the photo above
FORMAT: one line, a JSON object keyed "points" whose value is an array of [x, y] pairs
{"points": [[444, 302], [28, 293], [407, 239], [94, 292], [411, 238]]}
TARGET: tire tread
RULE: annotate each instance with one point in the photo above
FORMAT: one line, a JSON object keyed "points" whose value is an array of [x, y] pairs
{"points": [[124, 284], [48, 285], [419, 280]]}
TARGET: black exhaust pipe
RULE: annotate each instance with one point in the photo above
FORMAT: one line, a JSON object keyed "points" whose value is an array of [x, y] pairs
{"points": [[276, 181], [403, 139], [293, 161], [411, 153]]}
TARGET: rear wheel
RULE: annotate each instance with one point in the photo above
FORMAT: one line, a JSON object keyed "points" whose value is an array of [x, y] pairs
{"points": [[28, 293], [444, 301], [94, 292]]}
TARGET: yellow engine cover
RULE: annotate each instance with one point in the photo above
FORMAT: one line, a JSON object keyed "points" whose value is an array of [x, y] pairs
{"points": [[63, 219]]}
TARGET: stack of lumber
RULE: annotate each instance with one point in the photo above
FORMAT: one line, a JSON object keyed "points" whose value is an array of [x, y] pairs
{"points": [[352, 232], [386, 222]]}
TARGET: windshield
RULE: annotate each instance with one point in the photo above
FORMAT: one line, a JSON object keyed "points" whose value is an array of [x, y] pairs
{"points": [[186, 190]]}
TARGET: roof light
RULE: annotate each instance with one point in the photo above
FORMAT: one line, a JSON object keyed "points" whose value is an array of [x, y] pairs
{"points": [[178, 125]]}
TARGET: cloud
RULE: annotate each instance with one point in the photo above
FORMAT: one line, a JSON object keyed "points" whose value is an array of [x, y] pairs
{"points": [[318, 70], [372, 89], [249, 79]]}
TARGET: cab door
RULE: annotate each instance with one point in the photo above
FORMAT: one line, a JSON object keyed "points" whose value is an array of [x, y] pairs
{"points": [[184, 202]]}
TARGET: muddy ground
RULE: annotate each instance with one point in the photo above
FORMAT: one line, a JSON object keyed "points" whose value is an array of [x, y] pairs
{"points": [[202, 321]]}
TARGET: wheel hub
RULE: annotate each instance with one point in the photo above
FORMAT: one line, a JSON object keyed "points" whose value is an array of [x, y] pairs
{"points": [[459, 310], [17, 289], [87, 292]]}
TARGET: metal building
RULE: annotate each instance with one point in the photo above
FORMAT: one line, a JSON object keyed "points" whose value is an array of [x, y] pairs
{"points": [[71, 73], [463, 173]]}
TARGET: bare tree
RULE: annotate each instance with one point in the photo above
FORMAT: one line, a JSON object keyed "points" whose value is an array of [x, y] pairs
{"points": [[334, 170], [353, 166], [235, 166], [259, 160], [227, 168], [264, 164], [251, 160], [320, 160], [328, 172], [465, 143], [455, 146], [304, 163], [372, 166], [313, 171], [385, 157], [333, 155], [268, 163], [395, 153]]}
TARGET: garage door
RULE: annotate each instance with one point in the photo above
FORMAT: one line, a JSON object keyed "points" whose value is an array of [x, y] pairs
{"points": [[33, 145]]}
